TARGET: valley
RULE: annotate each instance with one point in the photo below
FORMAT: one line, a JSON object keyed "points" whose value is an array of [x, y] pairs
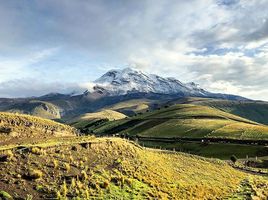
{"points": [[131, 144], [133, 100]]}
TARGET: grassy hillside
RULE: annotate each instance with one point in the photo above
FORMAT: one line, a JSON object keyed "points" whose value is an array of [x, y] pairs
{"points": [[116, 169], [131, 107], [36, 108], [253, 110], [256, 111], [87, 118], [104, 114], [186, 120], [211, 150], [20, 126]]}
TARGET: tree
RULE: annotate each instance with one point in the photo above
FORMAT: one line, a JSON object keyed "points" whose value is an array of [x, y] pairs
{"points": [[233, 158]]}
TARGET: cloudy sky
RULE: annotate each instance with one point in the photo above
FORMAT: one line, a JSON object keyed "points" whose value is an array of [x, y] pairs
{"points": [[59, 46]]}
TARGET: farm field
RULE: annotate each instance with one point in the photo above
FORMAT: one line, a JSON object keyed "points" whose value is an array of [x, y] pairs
{"points": [[186, 121]]}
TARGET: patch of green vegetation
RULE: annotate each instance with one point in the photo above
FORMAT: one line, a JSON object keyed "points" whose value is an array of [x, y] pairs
{"points": [[186, 120], [211, 150], [131, 107], [103, 114], [253, 110], [5, 196], [25, 126]]}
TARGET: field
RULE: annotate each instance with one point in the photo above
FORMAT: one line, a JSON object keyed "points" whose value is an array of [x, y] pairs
{"points": [[211, 150], [253, 110], [108, 115], [186, 121], [132, 106]]}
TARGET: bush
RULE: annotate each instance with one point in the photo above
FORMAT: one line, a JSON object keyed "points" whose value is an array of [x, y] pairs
{"points": [[104, 185], [233, 158], [36, 150], [5, 196], [7, 156], [55, 164], [67, 167], [34, 174]]}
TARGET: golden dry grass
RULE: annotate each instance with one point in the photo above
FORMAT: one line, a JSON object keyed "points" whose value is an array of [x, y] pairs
{"points": [[113, 168], [16, 126]]}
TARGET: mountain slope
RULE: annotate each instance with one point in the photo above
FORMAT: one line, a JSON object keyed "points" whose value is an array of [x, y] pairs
{"points": [[15, 127], [187, 121], [117, 87], [253, 110], [102, 115], [112, 168], [121, 82]]}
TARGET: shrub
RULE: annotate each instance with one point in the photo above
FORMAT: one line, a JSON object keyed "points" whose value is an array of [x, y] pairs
{"points": [[67, 167], [233, 158], [55, 164], [104, 185], [71, 159], [7, 156], [64, 189], [36, 150], [34, 174], [5, 196], [39, 188], [84, 175]]}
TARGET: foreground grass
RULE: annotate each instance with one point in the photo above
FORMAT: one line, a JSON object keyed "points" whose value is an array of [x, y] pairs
{"points": [[112, 168]]}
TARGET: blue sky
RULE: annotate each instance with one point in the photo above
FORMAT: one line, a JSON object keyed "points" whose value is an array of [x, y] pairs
{"points": [[61, 46]]}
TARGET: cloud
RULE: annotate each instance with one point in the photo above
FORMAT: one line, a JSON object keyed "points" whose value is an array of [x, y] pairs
{"points": [[34, 87], [221, 44], [15, 67]]}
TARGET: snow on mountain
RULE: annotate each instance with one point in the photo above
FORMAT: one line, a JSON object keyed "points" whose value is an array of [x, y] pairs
{"points": [[120, 82]]}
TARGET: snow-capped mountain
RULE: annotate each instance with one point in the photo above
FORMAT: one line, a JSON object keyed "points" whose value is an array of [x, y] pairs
{"points": [[121, 82]]}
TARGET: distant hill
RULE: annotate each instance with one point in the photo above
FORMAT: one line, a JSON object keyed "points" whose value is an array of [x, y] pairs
{"points": [[253, 110], [109, 92], [36, 108], [108, 115], [186, 120], [20, 126]]}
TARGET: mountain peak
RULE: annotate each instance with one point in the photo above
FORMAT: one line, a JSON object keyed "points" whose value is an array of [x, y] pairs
{"points": [[128, 80], [125, 81], [115, 74]]}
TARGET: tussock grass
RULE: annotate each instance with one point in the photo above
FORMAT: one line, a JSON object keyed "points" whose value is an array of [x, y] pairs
{"points": [[115, 168], [26, 126]]}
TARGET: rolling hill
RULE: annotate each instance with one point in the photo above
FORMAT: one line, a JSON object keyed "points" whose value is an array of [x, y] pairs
{"points": [[253, 110], [109, 115], [34, 107], [17, 127], [133, 106], [186, 121]]}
